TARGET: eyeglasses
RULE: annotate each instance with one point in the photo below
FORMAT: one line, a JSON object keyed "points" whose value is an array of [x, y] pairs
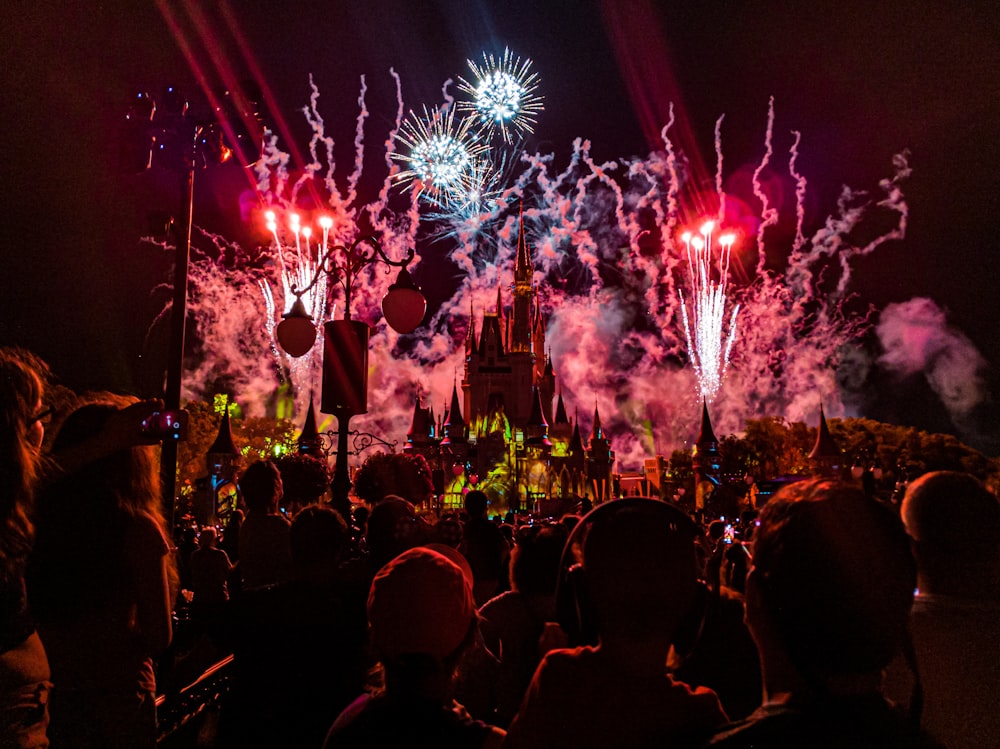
{"points": [[43, 415]]}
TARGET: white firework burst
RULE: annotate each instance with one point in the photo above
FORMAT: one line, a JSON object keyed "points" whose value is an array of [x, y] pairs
{"points": [[503, 97], [440, 153]]}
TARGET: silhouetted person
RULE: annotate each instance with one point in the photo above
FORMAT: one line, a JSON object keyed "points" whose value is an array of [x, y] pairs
{"points": [[633, 585], [210, 570], [422, 620], [301, 646], [100, 582], [954, 524], [265, 551], [827, 601], [484, 546], [512, 623], [24, 668]]}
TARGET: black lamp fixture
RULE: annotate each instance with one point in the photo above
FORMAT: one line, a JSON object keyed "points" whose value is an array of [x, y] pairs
{"points": [[403, 305], [345, 342]]}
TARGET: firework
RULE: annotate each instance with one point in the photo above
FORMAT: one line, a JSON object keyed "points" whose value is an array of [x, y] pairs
{"points": [[583, 220], [503, 97], [708, 344], [441, 153], [299, 265]]}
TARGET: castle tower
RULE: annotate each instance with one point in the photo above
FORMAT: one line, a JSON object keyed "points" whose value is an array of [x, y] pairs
{"points": [[546, 384], [309, 441], [560, 430], [521, 319], [705, 459], [705, 462], [826, 458], [421, 434], [223, 461], [600, 459], [454, 425]]}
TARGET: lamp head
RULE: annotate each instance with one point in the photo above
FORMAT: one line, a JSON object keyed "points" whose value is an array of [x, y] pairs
{"points": [[296, 333], [403, 305]]}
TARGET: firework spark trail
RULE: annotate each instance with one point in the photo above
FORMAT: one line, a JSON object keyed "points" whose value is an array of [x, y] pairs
{"points": [[769, 215], [615, 336], [718, 169], [800, 194], [709, 344]]}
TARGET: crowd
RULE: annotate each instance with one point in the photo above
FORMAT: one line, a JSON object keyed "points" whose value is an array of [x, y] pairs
{"points": [[828, 620]]}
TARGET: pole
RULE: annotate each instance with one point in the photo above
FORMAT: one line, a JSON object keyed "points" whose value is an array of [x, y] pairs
{"points": [[175, 355], [340, 486]]}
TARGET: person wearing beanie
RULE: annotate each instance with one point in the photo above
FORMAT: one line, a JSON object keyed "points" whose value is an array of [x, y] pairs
{"points": [[422, 619]]}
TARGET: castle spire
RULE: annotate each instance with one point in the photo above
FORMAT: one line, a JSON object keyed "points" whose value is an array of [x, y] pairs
{"points": [[561, 417], [470, 336], [706, 434], [597, 433], [224, 444], [523, 268], [826, 455], [309, 442], [826, 446], [537, 428], [454, 425]]}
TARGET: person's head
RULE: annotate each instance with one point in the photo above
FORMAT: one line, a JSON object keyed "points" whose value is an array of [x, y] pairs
{"points": [[422, 617], [637, 572], [393, 527], [534, 560], [954, 523], [21, 389], [831, 583], [207, 537], [476, 503], [394, 474], [319, 537], [261, 486], [131, 475]]}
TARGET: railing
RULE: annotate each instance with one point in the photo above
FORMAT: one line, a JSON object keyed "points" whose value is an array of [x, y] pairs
{"points": [[177, 710]]}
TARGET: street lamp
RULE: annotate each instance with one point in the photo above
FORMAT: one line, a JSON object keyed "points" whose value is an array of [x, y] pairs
{"points": [[345, 342], [165, 134]]}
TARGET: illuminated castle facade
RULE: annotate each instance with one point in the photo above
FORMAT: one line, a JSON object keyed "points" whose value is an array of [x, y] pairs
{"points": [[500, 432]]}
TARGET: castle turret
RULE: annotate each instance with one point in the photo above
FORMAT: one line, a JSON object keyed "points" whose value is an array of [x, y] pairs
{"points": [[454, 425], [309, 441], [537, 429], [223, 461], [705, 459], [600, 459], [421, 432], [826, 458], [521, 318], [705, 462]]}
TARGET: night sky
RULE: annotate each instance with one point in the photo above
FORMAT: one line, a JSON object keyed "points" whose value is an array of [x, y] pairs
{"points": [[861, 81]]}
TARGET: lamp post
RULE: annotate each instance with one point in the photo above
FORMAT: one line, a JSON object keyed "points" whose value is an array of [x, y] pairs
{"points": [[164, 134], [345, 342]]}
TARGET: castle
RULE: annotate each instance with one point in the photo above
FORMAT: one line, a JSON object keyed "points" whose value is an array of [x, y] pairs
{"points": [[501, 433]]}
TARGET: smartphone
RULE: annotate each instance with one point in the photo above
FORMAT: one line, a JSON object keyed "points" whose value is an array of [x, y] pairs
{"points": [[166, 425], [728, 534]]}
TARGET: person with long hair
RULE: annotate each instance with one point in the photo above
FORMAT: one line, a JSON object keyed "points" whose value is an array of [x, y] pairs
{"points": [[24, 668], [100, 583]]}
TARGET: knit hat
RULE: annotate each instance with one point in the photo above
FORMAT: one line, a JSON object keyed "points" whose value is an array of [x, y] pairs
{"points": [[420, 602]]}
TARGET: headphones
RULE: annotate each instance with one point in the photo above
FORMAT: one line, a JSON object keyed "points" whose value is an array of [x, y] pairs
{"points": [[575, 610]]}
